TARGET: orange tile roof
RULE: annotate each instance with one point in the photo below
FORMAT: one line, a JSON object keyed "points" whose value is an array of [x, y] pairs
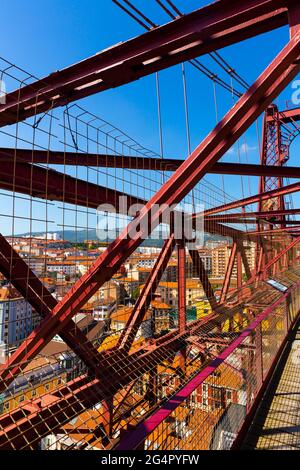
{"points": [[226, 377], [159, 305], [190, 284], [112, 340], [200, 423]]}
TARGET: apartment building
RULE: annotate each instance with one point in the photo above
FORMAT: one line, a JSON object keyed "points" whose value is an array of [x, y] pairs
{"points": [[221, 255], [169, 292], [17, 319]]}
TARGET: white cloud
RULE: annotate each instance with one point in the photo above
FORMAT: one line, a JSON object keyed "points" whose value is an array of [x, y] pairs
{"points": [[242, 149]]}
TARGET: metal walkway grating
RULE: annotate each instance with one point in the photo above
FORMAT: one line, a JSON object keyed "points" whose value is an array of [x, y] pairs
{"points": [[276, 425]]}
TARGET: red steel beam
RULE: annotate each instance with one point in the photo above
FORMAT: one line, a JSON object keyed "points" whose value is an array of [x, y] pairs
{"points": [[270, 83], [228, 274], [83, 392], [218, 229], [248, 169], [181, 280], [181, 276], [275, 231], [285, 222], [244, 259], [212, 27], [271, 221], [135, 436], [16, 271], [55, 157], [239, 272], [289, 189], [135, 320], [226, 218], [202, 274], [280, 255], [49, 184], [287, 116]]}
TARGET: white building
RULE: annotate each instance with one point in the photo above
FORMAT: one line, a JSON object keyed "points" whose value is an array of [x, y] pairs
{"points": [[66, 267], [16, 317]]}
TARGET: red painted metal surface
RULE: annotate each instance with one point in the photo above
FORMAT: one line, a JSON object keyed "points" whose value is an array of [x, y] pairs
{"points": [[227, 22], [70, 399], [140, 163], [202, 274], [52, 185], [228, 274], [120, 368], [147, 294], [225, 218], [271, 82], [288, 189], [273, 261], [287, 116], [16, 270], [181, 275], [144, 429]]}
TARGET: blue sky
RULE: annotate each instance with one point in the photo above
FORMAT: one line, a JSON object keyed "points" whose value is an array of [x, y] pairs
{"points": [[45, 36]]}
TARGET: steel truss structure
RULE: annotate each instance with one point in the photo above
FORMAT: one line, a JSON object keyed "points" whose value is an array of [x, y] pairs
{"points": [[142, 393]]}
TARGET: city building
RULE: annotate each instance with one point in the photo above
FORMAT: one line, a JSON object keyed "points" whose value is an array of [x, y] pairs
{"points": [[169, 292], [16, 318], [221, 255]]}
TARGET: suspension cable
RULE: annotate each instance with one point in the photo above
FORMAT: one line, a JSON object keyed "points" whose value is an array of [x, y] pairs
{"points": [[214, 55], [143, 18]]}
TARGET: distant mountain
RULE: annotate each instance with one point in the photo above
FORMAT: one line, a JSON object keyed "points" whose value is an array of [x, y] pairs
{"points": [[79, 236]]}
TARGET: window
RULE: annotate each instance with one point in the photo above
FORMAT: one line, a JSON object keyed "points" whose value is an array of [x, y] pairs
{"points": [[21, 398], [204, 395], [6, 406], [217, 396]]}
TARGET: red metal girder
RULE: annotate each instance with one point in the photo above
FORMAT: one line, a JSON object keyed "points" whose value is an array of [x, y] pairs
{"points": [[134, 322], [287, 116], [72, 398], [260, 264], [289, 189], [54, 157], [280, 255], [271, 154], [181, 280], [52, 185], [228, 274], [239, 271], [242, 251], [16, 271], [248, 169], [275, 231], [207, 29], [134, 437], [284, 222], [202, 274], [181, 276], [270, 220], [218, 229], [271, 82], [49, 184], [225, 218], [294, 18]]}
